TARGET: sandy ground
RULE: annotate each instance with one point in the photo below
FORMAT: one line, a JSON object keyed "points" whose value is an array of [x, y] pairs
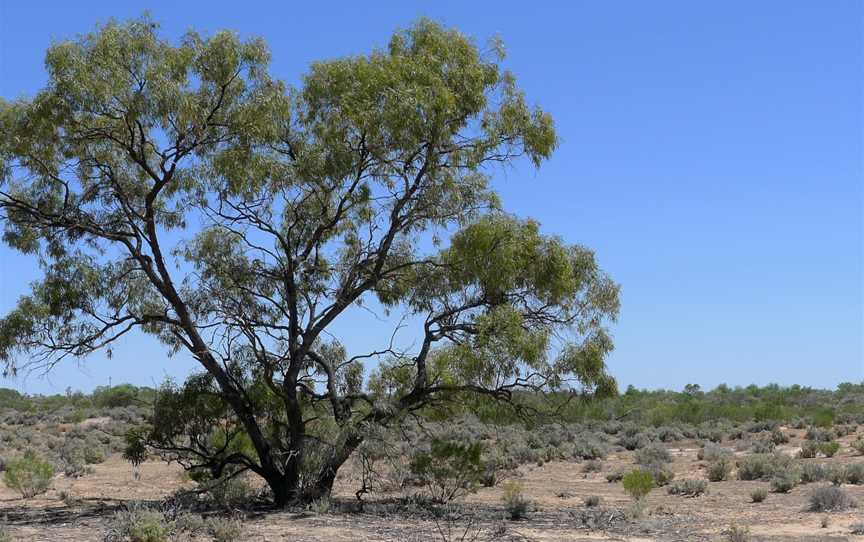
{"points": [[558, 490]]}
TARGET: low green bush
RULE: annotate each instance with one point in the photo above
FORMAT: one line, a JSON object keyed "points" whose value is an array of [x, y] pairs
{"points": [[30, 475], [638, 483], [449, 469], [828, 449]]}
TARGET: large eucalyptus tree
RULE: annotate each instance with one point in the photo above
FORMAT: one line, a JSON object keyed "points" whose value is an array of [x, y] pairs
{"points": [[181, 191]]}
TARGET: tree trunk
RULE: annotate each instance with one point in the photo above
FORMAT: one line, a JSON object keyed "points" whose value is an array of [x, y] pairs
{"points": [[283, 493], [323, 486]]}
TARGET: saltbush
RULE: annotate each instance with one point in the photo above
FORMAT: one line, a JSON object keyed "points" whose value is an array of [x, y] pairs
{"points": [[758, 494], [688, 488], [830, 499], [784, 482], [719, 470], [813, 472], [651, 454]]}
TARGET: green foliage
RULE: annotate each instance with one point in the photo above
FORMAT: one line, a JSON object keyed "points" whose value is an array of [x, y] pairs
{"points": [[116, 396], [30, 475], [828, 449], [138, 524], [824, 417], [135, 451], [638, 483], [449, 469]]}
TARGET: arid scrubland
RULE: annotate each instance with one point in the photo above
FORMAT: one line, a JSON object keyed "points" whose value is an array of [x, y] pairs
{"points": [[750, 464]]}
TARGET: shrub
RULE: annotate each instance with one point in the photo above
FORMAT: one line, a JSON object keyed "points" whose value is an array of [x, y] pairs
{"points": [[633, 440], [73, 459], [713, 452], [135, 450], [93, 453], [319, 506], [784, 482], [661, 473], [836, 474], [669, 434], [592, 466], [229, 493], [813, 472], [590, 446], [593, 501], [763, 446], [138, 524], [515, 502], [688, 488], [824, 418], [615, 476], [224, 529], [737, 534], [778, 437], [808, 450], [30, 475], [858, 445], [652, 454], [763, 466], [828, 449], [719, 469], [819, 435], [638, 483], [856, 528], [830, 499], [854, 473], [759, 494], [449, 470]]}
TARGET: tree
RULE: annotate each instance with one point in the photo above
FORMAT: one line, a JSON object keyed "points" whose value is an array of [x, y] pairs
{"points": [[181, 191]]}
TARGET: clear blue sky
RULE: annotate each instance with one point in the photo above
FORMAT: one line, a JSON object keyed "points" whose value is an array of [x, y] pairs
{"points": [[711, 154]]}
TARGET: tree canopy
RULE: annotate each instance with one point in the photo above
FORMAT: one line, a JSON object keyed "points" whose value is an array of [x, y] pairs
{"points": [[182, 191]]}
